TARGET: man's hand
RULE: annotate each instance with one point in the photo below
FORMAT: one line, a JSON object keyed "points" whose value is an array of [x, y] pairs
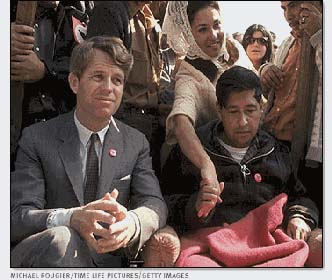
{"points": [[26, 67], [21, 39], [208, 197], [298, 229], [120, 234], [310, 19], [271, 77], [85, 220]]}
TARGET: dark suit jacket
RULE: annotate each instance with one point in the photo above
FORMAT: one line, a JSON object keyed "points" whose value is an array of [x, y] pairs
{"points": [[48, 175]]}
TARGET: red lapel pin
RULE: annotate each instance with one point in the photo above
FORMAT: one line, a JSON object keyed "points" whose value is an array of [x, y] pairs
{"points": [[112, 153], [258, 177]]}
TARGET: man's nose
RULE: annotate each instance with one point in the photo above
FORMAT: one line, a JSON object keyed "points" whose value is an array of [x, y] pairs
{"points": [[108, 84], [243, 120]]}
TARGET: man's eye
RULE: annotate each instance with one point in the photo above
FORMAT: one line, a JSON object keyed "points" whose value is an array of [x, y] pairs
{"points": [[202, 30], [97, 78], [117, 81]]}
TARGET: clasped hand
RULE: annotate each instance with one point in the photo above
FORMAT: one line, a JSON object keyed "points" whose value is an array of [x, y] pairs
{"points": [[86, 221], [209, 193]]}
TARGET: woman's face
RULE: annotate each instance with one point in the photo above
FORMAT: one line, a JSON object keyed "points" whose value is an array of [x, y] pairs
{"points": [[206, 28], [257, 47]]}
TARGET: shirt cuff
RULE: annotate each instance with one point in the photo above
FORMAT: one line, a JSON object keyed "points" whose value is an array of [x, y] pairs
{"points": [[59, 217], [136, 235]]}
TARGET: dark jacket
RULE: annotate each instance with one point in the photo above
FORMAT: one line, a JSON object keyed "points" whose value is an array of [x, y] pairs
{"points": [[54, 41], [265, 158], [111, 18]]}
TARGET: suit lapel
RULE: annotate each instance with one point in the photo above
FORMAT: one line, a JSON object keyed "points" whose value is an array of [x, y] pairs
{"points": [[111, 157], [70, 154]]}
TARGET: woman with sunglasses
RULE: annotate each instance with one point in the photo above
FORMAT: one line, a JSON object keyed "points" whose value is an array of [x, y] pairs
{"points": [[258, 43]]}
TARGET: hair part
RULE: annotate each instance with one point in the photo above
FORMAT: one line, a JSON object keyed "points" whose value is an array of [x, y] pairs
{"points": [[237, 79], [84, 52], [195, 6], [268, 57]]}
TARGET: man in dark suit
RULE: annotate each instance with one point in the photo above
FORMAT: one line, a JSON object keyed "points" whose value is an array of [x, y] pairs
{"points": [[57, 218]]}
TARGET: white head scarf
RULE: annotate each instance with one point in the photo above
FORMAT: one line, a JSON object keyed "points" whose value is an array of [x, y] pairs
{"points": [[180, 37]]}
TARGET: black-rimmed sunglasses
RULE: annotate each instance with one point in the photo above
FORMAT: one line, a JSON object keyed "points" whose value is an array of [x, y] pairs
{"points": [[261, 41]]}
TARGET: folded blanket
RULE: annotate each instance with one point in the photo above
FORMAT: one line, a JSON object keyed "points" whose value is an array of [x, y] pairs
{"points": [[255, 240]]}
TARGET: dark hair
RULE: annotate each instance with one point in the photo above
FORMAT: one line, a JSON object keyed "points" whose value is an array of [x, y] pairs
{"points": [[237, 79], [83, 53], [268, 57], [195, 6]]}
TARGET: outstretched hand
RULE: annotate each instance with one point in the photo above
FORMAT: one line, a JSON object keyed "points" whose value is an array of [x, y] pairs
{"points": [[208, 197], [271, 77]]}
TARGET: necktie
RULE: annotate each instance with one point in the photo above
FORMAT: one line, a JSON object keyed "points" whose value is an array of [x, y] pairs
{"points": [[92, 173]]}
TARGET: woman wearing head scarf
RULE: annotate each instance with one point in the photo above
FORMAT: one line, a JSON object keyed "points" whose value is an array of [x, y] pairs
{"points": [[194, 29]]}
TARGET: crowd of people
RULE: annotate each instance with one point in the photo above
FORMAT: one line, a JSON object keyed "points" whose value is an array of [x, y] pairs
{"points": [[140, 114]]}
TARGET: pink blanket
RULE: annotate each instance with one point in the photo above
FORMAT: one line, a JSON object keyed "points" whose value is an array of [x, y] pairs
{"points": [[254, 241]]}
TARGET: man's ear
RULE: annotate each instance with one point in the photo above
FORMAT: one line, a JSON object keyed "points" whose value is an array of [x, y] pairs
{"points": [[73, 82]]}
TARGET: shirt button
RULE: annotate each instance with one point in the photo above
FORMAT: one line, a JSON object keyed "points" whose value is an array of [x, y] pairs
{"points": [[278, 109], [43, 95]]}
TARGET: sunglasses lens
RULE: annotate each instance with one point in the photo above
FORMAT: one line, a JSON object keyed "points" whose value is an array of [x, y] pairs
{"points": [[260, 41]]}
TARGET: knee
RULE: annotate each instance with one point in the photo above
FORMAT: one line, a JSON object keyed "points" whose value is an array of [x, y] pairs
{"points": [[315, 258], [60, 237], [43, 249]]}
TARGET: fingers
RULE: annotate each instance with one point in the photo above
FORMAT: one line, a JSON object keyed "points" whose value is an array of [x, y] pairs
{"points": [[298, 229], [272, 77], [114, 194], [111, 244], [119, 235], [206, 200], [110, 206], [91, 241], [24, 29], [205, 208], [119, 226]]}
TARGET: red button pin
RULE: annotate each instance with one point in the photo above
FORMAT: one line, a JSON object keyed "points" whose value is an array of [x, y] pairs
{"points": [[112, 153], [258, 177]]}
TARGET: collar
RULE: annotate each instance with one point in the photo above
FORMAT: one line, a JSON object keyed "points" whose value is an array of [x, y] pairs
{"points": [[85, 134], [260, 144]]}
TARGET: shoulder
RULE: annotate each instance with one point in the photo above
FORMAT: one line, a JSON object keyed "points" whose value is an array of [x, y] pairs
{"points": [[189, 73], [53, 125], [266, 138], [190, 81], [115, 9], [129, 133]]}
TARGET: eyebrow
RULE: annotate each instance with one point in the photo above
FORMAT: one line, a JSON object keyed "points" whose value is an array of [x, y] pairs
{"points": [[206, 24]]}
